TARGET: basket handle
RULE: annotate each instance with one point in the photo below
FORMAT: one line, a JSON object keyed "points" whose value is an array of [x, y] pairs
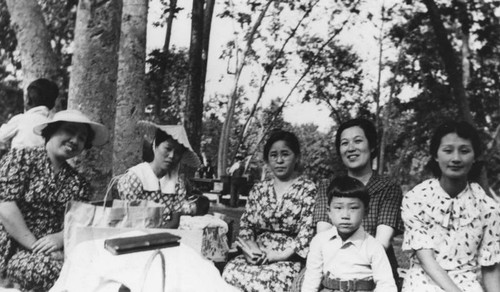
{"points": [[148, 267], [111, 183]]}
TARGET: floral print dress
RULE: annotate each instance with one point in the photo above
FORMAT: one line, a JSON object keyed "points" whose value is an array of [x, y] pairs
{"points": [[463, 232], [27, 178], [277, 225]]}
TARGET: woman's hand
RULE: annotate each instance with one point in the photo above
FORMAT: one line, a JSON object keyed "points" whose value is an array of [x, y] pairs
{"points": [[48, 244], [14, 224], [253, 255]]}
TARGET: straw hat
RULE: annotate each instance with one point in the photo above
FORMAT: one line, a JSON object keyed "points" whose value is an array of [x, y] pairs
{"points": [[178, 133], [75, 116]]}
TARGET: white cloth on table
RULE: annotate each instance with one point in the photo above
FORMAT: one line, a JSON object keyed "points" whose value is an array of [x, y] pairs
{"points": [[202, 222], [92, 268]]}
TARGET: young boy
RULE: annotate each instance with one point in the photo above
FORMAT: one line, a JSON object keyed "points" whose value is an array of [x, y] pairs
{"points": [[346, 258], [42, 94]]}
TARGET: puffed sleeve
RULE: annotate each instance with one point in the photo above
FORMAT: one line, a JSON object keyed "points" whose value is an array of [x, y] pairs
{"points": [[249, 219], [306, 227], [321, 206], [129, 186], [417, 234], [390, 207], [489, 249], [13, 175]]}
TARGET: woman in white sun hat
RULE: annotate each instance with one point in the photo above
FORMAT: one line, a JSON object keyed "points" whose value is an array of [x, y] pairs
{"points": [[159, 180], [35, 184]]}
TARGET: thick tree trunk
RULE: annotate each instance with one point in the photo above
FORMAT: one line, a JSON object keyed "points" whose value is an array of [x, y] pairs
{"points": [[193, 112], [131, 87], [33, 39], [450, 60], [92, 88]]}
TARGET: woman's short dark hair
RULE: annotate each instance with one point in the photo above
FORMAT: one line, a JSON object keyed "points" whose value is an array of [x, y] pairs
{"points": [[148, 154], [348, 187], [280, 135], [465, 131], [367, 127], [51, 128]]}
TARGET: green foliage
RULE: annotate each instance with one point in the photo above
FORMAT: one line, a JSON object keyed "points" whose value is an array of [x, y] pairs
{"points": [[11, 100], [60, 18], [335, 78], [166, 83], [415, 119], [319, 158]]}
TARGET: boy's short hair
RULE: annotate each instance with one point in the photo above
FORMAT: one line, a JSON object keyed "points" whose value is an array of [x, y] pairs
{"points": [[42, 92], [348, 187]]}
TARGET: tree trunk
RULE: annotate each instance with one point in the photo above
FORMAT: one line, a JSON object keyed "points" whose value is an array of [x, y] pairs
{"points": [[226, 127], [92, 88], [170, 21], [161, 92], [33, 38], [385, 119], [193, 112], [207, 26], [450, 61], [131, 87], [455, 78]]}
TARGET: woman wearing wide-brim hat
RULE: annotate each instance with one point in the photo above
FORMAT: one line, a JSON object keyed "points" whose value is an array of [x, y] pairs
{"points": [[35, 185], [159, 179]]}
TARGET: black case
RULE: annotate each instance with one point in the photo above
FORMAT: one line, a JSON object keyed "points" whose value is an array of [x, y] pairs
{"points": [[131, 244]]}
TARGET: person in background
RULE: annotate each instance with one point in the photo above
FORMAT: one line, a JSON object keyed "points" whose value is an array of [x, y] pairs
{"points": [[160, 180], [346, 256], [356, 144], [452, 228], [238, 167], [41, 98], [276, 227], [35, 185]]}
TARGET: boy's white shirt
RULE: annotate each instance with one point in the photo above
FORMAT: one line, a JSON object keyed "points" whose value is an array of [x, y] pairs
{"points": [[20, 128], [360, 256]]}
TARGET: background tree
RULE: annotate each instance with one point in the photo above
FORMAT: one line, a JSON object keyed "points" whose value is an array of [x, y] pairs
{"points": [[92, 87], [131, 86], [33, 40]]}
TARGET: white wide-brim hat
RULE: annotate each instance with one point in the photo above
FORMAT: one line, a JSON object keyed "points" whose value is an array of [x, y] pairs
{"points": [[75, 116], [178, 133]]}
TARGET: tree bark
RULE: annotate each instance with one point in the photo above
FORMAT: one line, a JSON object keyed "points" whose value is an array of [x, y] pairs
{"points": [[207, 26], [92, 88], [450, 61], [226, 127], [33, 39], [193, 112], [385, 120], [131, 87], [170, 21]]}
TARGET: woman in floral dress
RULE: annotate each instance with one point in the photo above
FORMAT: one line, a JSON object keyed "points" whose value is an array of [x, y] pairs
{"points": [[159, 180], [452, 229], [278, 217], [35, 185]]}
